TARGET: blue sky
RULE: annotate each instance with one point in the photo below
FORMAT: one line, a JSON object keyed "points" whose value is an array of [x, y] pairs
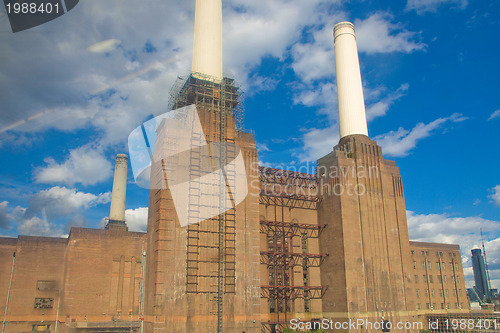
{"points": [[72, 90]]}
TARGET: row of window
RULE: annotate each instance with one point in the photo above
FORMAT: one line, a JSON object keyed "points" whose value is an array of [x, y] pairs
{"points": [[441, 293], [438, 265], [430, 306], [438, 254], [440, 279]]}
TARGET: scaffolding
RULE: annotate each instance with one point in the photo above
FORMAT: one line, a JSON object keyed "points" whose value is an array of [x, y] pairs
{"points": [[290, 189], [211, 244], [287, 189]]}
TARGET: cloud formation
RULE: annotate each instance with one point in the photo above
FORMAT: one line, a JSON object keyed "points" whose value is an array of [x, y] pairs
{"points": [[62, 201], [495, 195], [4, 216], [401, 142], [137, 219], [423, 6], [84, 165], [494, 115], [48, 207], [377, 34], [380, 108]]}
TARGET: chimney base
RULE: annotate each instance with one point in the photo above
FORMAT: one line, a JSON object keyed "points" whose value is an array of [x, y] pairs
{"points": [[116, 225]]}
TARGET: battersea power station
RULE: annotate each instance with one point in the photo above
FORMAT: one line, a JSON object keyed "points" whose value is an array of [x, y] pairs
{"points": [[234, 247]]}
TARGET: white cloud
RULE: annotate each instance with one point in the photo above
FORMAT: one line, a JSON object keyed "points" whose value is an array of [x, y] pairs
{"points": [[258, 84], [61, 201], [104, 46], [381, 107], [377, 34], [84, 165], [4, 216], [465, 231], [319, 142], [422, 6], [400, 143], [36, 226], [495, 195], [262, 147], [47, 208], [315, 60], [495, 115], [137, 219]]}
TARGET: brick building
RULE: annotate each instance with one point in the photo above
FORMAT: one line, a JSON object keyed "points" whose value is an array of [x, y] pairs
{"points": [[333, 244]]}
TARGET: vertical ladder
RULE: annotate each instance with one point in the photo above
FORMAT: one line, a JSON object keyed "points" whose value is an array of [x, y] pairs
{"points": [[193, 229]]}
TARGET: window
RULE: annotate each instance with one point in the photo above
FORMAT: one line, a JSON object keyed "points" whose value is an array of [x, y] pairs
{"points": [[456, 266], [456, 305], [423, 264], [431, 280], [461, 305], [412, 252], [433, 305], [444, 279], [44, 303], [418, 293], [449, 254], [432, 293], [446, 292], [426, 253], [443, 266], [425, 278], [414, 264], [40, 328], [426, 293], [437, 265], [451, 266], [454, 254], [439, 278], [419, 306], [454, 293], [416, 278], [423, 253], [46, 285], [429, 265], [442, 306], [452, 279], [458, 279], [428, 306], [460, 292], [441, 292], [448, 306], [441, 254]]}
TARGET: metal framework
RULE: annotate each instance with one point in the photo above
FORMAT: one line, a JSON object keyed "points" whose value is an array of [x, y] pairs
{"points": [[270, 258], [211, 244], [290, 189], [280, 262], [293, 229], [274, 326]]}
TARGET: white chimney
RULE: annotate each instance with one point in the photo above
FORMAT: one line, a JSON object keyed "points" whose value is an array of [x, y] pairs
{"points": [[352, 115], [117, 211], [207, 48]]}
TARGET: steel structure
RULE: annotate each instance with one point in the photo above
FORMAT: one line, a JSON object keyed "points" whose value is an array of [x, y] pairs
{"points": [[290, 189], [280, 189]]}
